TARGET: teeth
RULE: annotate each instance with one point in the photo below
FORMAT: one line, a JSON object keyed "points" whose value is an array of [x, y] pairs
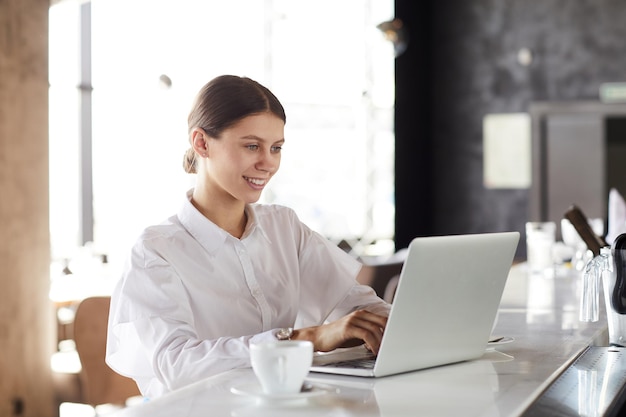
{"points": [[256, 181]]}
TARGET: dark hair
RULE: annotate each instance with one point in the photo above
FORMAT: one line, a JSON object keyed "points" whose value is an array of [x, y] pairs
{"points": [[224, 101]]}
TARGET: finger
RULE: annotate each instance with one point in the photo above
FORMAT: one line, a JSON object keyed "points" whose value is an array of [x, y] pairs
{"points": [[372, 317], [371, 327], [369, 321], [370, 333], [372, 343]]}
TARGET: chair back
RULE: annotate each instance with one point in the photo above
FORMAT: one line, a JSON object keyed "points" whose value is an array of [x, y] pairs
{"points": [[383, 278], [99, 383]]}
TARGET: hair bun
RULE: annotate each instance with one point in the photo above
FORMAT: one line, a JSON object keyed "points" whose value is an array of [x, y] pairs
{"points": [[189, 161]]}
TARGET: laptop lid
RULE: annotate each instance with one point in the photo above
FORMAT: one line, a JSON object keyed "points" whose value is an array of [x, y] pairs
{"points": [[445, 304]]}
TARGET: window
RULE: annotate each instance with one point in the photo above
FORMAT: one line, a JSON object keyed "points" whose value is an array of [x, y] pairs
{"points": [[325, 60]]}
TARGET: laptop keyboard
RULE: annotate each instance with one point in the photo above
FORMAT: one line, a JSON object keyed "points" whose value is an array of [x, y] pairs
{"points": [[361, 363]]}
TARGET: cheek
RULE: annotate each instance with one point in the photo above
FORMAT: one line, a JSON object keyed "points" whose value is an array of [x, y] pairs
{"points": [[233, 160], [224, 167]]}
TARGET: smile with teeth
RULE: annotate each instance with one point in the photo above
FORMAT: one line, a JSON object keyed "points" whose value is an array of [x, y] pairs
{"points": [[255, 181]]}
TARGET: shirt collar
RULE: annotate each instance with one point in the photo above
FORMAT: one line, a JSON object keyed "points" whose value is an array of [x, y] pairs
{"points": [[207, 233], [254, 225]]}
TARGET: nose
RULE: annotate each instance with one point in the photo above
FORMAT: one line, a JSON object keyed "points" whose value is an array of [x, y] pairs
{"points": [[268, 162]]}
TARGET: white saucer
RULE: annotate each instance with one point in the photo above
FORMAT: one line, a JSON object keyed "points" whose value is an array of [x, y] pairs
{"points": [[255, 390], [502, 341]]}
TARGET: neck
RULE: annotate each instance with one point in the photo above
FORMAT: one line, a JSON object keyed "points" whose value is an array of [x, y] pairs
{"points": [[227, 214]]}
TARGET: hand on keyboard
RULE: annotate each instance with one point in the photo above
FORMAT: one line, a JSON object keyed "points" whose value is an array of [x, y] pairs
{"points": [[356, 328]]}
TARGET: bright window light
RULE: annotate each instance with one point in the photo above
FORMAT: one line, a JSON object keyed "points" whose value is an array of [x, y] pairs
{"points": [[325, 60]]}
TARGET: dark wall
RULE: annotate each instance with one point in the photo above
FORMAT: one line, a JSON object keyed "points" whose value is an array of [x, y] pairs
{"points": [[461, 64]]}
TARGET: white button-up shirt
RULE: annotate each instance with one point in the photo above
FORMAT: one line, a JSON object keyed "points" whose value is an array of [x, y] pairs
{"points": [[193, 297]]}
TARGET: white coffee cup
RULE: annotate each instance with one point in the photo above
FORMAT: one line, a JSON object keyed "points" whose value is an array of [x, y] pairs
{"points": [[281, 366]]}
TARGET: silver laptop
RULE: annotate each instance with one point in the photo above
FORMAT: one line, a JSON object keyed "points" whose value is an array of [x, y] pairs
{"points": [[444, 308]]}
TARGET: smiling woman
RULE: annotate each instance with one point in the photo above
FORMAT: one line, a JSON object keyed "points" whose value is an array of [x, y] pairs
{"points": [[224, 273]]}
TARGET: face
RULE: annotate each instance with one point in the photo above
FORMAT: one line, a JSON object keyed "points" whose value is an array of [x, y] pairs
{"points": [[241, 162]]}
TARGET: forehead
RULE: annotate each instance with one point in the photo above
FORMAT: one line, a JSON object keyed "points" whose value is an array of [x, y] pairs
{"points": [[263, 126]]}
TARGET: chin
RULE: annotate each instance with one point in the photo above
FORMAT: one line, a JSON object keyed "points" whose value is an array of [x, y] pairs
{"points": [[252, 199]]}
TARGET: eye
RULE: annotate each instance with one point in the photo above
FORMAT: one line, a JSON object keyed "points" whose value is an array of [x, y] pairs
{"points": [[253, 147], [277, 149]]}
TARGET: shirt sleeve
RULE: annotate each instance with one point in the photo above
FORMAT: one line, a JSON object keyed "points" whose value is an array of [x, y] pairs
{"points": [[151, 331], [360, 297], [329, 287]]}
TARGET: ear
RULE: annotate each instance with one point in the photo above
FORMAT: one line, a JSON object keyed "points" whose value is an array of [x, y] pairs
{"points": [[199, 142]]}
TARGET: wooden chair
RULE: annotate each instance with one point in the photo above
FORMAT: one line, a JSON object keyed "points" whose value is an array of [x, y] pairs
{"points": [[99, 383]]}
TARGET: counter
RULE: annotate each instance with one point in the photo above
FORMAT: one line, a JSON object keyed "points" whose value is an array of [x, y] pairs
{"points": [[540, 314]]}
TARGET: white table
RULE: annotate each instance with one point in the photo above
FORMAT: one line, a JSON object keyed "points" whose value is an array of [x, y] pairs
{"points": [[540, 313]]}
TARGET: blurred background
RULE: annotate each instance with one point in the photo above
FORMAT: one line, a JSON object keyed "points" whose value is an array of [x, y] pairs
{"points": [[328, 63]]}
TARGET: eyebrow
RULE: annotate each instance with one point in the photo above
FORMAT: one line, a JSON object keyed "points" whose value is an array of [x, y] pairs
{"points": [[255, 137]]}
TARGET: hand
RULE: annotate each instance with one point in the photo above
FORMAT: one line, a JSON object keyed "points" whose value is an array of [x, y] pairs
{"points": [[354, 329]]}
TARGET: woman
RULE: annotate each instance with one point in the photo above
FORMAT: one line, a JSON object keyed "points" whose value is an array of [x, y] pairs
{"points": [[224, 273]]}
